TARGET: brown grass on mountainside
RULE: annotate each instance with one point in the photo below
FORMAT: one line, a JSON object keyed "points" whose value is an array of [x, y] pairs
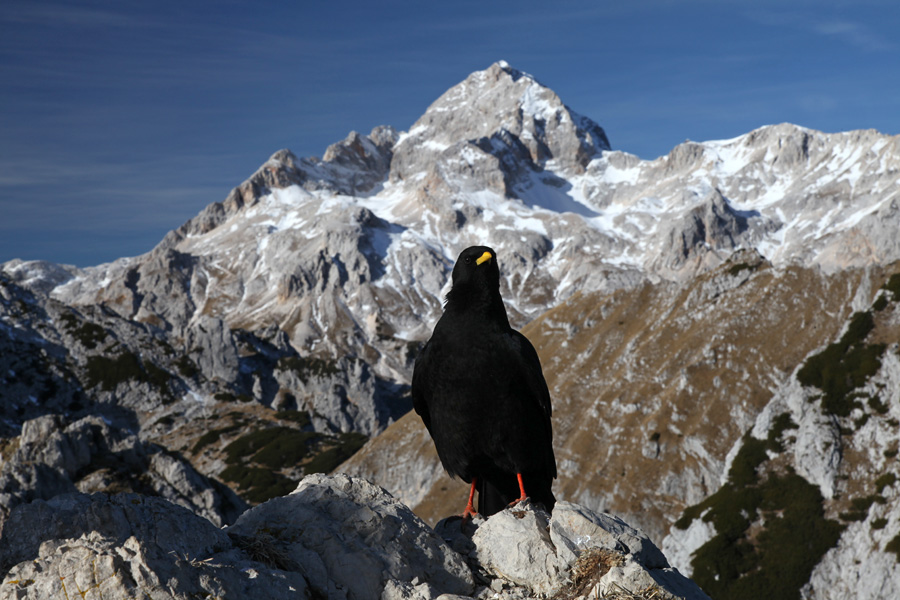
{"points": [[653, 386]]}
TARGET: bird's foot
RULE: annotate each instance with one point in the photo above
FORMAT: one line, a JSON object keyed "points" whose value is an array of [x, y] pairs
{"points": [[468, 513], [518, 501], [522, 496]]}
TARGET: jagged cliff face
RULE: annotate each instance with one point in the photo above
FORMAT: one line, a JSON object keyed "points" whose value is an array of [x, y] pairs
{"points": [[670, 300]]}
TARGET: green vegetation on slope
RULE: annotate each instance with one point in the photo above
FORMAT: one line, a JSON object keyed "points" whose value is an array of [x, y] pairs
{"points": [[307, 366], [258, 461], [771, 528], [844, 366], [108, 373], [90, 335], [328, 460]]}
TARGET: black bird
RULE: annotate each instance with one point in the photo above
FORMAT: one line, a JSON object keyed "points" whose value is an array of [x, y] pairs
{"points": [[479, 388]]}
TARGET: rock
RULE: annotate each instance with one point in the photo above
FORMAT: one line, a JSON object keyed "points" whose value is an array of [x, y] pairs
{"points": [[40, 275], [342, 395], [575, 529], [350, 538], [337, 537], [54, 457], [128, 546], [497, 99], [515, 545], [522, 552], [399, 590], [367, 157], [212, 346]]}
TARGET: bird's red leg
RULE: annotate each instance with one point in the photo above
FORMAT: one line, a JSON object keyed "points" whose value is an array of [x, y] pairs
{"points": [[470, 509], [522, 495]]}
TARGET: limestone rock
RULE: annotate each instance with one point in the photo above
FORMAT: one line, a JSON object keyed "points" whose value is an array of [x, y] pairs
{"points": [[515, 545], [500, 98], [335, 537], [574, 529], [128, 546], [350, 538], [212, 346], [524, 552], [40, 275], [707, 234], [368, 158]]}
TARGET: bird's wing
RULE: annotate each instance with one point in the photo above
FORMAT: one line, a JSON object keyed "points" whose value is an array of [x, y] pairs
{"points": [[421, 392], [531, 370], [533, 376]]}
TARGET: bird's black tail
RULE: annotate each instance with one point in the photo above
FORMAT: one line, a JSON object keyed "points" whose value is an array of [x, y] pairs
{"points": [[497, 492]]}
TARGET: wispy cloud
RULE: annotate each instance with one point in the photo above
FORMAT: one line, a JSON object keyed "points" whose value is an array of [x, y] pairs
{"points": [[854, 34], [63, 14], [850, 32]]}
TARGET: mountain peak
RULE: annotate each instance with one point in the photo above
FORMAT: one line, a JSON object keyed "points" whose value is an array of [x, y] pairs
{"points": [[513, 72], [496, 100]]}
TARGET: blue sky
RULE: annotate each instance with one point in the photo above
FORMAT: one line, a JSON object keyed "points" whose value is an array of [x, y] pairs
{"points": [[121, 120]]}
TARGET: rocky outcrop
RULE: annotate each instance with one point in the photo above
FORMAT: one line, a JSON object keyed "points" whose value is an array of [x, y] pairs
{"points": [[707, 235], [173, 398], [351, 539], [40, 275], [357, 164], [53, 457], [334, 537], [352, 166], [573, 553], [817, 465], [128, 546]]}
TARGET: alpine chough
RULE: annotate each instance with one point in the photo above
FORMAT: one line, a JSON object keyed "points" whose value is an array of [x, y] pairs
{"points": [[479, 388]]}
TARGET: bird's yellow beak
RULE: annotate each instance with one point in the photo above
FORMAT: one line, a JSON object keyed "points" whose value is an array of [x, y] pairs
{"points": [[483, 258]]}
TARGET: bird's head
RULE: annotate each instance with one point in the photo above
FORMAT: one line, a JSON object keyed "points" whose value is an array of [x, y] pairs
{"points": [[477, 265], [476, 282]]}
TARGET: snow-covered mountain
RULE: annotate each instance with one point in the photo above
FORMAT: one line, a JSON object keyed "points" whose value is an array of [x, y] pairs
{"points": [[671, 300], [349, 254]]}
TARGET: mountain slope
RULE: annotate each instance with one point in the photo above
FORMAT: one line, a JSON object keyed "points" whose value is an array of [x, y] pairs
{"points": [[664, 397], [675, 373]]}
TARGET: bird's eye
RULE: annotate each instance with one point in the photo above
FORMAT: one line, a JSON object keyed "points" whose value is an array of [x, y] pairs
{"points": [[468, 259]]}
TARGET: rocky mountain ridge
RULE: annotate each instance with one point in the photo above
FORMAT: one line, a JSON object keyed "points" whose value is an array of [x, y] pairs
{"points": [[670, 299], [498, 158]]}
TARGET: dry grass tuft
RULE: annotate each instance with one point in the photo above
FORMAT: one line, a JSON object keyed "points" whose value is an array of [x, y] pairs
{"points": [[264, 548], [589, 569]]}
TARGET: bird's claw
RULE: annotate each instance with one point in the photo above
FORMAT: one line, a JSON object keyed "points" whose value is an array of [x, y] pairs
{"points": [[518, 501], [468, 513]]}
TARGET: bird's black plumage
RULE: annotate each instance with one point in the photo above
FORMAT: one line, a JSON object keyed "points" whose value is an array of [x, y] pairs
{"points": [[479, 388]]}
